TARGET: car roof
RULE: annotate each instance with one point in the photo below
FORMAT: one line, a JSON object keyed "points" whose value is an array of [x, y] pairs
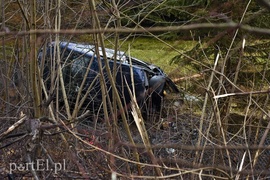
{"points": [[90, 49]]}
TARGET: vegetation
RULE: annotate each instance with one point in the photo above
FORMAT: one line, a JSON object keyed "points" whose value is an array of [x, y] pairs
{"points": [[216, 128]]}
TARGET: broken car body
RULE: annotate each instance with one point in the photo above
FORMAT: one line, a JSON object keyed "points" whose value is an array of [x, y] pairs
{"points": [[78, 61]]}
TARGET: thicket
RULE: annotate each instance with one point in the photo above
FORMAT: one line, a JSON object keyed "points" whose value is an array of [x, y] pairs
{"points": [[217, 128]]}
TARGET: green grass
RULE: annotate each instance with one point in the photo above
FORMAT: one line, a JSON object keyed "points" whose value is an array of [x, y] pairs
{"points": [[154, 51], [148, 49]]}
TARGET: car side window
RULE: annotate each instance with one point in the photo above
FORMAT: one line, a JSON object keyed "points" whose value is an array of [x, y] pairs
{"points": [[79, 66], [74, 69], [66, 59]]}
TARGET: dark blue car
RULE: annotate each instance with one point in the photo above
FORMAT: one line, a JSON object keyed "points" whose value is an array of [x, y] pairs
{"points": [[149, 80]]}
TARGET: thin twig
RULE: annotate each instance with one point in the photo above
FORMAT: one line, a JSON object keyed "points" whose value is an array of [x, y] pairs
{"points": [[14, 126]]}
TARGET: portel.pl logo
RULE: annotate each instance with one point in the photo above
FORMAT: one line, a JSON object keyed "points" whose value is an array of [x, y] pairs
{"points": [[38, 165]]}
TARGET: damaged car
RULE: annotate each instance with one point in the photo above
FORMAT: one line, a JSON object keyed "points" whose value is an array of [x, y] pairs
{"points": [[81, 72]]}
